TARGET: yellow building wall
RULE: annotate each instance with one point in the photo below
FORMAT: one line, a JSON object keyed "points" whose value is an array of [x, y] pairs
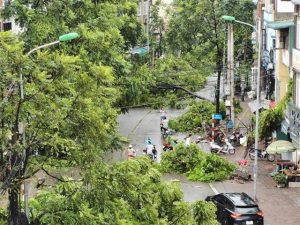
{"points": [[282, 76]]}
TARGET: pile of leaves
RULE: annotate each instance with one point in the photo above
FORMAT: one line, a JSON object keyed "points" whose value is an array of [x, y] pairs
{"points": [[196, 164], [128, 192], [199, 112]]}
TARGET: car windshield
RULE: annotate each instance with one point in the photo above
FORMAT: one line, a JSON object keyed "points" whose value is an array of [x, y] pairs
{"points": [[247, 210]]}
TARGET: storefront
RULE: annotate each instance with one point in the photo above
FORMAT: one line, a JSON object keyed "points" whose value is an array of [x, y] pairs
{"points": [[294, 123]]}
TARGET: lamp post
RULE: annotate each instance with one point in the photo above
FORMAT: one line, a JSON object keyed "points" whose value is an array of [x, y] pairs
{"points": [[232, 19], [62, 38]]}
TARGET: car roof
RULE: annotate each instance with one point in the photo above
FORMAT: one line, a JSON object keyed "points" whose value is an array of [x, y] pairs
{"points": [[240, 199]]}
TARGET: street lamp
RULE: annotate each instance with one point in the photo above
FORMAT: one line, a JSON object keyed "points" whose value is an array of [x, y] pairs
{"points": [[62, 38], [232, 19]]}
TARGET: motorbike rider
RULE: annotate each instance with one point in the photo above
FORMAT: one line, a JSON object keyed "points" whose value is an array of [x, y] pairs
{"points": [[163, 114], [131, 153], [163, 126], [150, 149]]}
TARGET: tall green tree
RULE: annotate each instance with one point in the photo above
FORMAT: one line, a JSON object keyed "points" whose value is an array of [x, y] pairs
{"points": [[196, 27], [67, 112], [69, 94]]}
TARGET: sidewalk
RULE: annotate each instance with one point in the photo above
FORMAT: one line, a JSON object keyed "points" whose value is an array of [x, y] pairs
{"points": [[281, 206]]}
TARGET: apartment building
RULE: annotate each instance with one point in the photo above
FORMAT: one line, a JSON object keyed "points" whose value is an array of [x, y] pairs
{"points": [[281, 20], [294, 106], [9, 24], [283, 16]]}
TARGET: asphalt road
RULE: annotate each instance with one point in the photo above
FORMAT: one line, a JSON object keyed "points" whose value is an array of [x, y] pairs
{"points": [[138, 125]]}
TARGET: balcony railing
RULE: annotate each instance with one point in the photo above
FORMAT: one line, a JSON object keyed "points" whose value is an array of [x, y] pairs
{"points": [[294, 119]]}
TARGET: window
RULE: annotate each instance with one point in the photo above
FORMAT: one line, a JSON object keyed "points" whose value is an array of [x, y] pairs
{"points": [[298, 33], [247, 210], [6, 26]]}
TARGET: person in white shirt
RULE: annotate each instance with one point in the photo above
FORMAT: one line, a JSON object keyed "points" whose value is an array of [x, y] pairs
{"points": [[188, 140], [149, 148]]}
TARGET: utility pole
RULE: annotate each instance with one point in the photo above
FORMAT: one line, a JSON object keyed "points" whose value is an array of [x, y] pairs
{"points": [[258, 32], [148, 24], [230, 64]]}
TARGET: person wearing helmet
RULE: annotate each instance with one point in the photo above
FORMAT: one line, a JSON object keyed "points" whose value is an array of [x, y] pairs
{"points": [[148, 141], [131, 153]]}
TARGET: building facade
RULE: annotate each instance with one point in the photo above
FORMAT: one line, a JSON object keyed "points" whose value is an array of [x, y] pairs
{"points": [[9, 24], [294, 106]]}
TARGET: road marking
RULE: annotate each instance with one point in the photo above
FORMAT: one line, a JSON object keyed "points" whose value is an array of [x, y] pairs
{"points": [[138, 123], [213, 188]]}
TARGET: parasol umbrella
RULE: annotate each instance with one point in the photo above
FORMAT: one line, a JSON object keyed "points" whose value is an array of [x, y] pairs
{"points": [[278, 147]]}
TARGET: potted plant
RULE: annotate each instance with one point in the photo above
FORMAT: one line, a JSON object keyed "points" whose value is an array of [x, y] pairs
{"points": [[280, 180]]}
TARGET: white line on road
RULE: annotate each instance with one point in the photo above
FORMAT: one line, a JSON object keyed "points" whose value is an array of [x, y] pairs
{"points": [[138, 123], [213, 188]]}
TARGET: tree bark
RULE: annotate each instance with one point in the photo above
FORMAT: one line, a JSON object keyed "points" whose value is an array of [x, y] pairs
{"points": [[14, 205]]}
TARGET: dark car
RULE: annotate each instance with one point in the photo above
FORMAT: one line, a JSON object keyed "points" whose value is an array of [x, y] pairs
{"points": [[236, 209]]}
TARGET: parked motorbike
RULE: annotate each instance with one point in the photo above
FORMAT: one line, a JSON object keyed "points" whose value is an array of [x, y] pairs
{"points": [[166, 132], [235, 138], [168, 147], [261, 154], [226, 148]]}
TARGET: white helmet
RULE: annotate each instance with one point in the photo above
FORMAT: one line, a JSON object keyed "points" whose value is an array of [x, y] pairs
{"points": [[130, 146]]}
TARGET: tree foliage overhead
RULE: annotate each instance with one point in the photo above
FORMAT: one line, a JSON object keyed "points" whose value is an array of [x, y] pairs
{"points": [[129, 192], [197, 26], [68, 109]]}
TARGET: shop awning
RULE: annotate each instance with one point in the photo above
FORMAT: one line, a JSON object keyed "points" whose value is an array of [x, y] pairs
{"points": [[277, 25], [278, 147]]}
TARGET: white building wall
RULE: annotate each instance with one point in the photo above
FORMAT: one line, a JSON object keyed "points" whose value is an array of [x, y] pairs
{"points": [[284, 6]]}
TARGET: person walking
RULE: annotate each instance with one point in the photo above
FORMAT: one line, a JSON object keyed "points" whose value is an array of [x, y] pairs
{"points": [[188, 140]]}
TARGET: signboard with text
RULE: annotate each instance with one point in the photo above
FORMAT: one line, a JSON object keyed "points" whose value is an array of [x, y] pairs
{"points": [[217, 116]]}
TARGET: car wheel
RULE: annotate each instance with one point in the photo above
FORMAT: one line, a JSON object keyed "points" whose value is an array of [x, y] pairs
{"points": [[224, 221]]}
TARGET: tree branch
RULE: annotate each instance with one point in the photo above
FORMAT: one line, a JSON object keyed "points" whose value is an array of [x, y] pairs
{"points": [[183, 89], [57, 178]]}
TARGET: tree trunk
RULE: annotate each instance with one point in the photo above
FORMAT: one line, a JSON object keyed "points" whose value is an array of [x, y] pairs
{"points": [[16, 217], [14, 206], [219, 72]]}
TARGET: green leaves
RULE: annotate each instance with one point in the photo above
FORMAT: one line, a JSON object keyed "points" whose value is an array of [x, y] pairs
{"points": [[129, 192], [271, 119], [198, 165], [198, 113]]}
